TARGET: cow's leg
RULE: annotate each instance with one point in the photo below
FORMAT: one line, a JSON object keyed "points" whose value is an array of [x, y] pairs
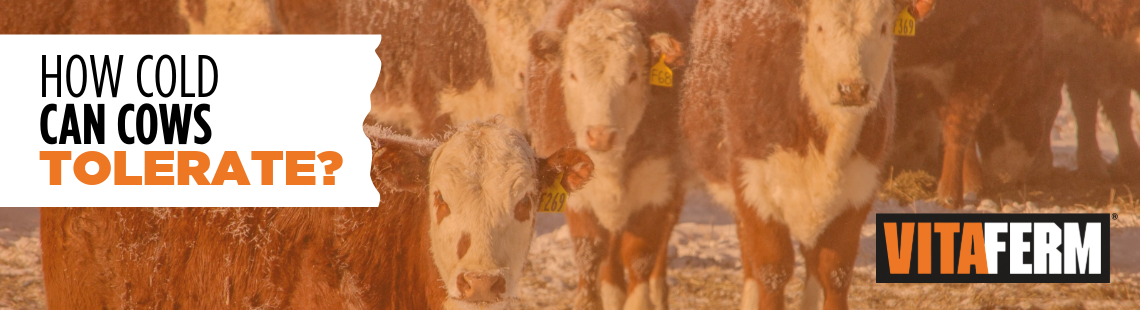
{"points": [[1119, 111], [829, 263], [644, 250], [959, 121], [767, 256], [971, 173], [1089, 160], [591, 246], [613, 284]]}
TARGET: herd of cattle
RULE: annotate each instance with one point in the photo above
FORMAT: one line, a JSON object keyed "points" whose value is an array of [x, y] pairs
{"points": [[786, 111]]}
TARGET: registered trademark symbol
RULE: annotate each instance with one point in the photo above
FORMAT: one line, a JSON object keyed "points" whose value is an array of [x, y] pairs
{"points": [[1114, 216]]}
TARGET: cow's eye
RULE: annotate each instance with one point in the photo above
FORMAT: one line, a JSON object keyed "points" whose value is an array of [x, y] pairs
{"points": [[523, 208], [441, 208]]}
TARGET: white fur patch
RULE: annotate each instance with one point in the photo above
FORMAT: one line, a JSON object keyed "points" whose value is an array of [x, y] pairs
{"points": [[650, 183], [750, 298], [612, 297], [813, 294], [723, 194], [481, 172], [639, 299], [807, 192]]}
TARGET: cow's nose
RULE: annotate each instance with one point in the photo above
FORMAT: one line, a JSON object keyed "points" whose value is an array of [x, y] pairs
{"points": [[481, 287], [601, 138], [853, 93]]}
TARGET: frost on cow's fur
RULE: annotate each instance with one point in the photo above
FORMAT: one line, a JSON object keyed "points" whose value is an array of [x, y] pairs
{"points": [[842, 41], [482, 171]]}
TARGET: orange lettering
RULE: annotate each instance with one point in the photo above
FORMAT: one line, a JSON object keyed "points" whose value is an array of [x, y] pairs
{"points": [[198, 172], [972, 241], [55, 161], [898, 258], [103, 165], [947, 231], [266, 158], [230, 160]]}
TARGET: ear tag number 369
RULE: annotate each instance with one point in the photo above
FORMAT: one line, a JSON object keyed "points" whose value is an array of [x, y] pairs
{"points": [[904, 25], [553, 197], [660, 75]]}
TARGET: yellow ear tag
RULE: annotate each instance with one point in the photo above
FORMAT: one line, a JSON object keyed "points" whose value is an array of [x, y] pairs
{"points": [[553, 197], [660, 75], [904, 25]]}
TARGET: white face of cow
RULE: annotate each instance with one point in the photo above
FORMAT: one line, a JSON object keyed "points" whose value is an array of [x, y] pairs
{"points": [[605, 64], [482, 193], [482, 188], [847, 49]]}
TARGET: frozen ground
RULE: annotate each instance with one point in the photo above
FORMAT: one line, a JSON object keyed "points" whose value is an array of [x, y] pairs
{"points": [[705, 271]]}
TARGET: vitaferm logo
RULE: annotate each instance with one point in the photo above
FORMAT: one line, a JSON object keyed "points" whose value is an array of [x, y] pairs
{"points": [[992, 248]]}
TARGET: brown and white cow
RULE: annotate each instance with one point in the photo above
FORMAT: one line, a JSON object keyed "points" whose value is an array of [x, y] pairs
{"points": [[788, 109], [589, 87], [1096, 68], [990, 74], [452, 231], [444, 61]]}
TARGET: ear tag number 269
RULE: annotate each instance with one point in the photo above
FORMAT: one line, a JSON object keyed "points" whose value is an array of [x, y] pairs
{"points": [[553, 197], [660, 75]]}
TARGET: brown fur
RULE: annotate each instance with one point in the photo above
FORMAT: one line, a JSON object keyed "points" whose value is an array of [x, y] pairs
{"points": [[998, 68], [428, 46], [92, 17], [1113, 17], [211, 258]]}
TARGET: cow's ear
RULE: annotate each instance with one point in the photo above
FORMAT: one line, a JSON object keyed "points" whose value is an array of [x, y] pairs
{"points": [[572, 164], [664, 44], [546, 44], [920, 9], [400, 167]]}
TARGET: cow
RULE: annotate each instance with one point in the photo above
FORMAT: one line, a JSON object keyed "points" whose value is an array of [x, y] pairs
{"points": [[788, 110], [989, 75], [445, 62], [1096, 68], [589, 87], [452, 230]]}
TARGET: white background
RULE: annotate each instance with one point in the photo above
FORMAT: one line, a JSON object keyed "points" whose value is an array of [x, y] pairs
{"points": [[274, 93]]}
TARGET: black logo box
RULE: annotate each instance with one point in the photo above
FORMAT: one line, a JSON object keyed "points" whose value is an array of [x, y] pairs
{"points": [[883, 274]]}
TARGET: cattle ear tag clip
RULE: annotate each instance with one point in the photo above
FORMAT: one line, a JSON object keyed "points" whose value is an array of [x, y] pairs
{"points": [[660, 75], [553, 197], [904, 25]]}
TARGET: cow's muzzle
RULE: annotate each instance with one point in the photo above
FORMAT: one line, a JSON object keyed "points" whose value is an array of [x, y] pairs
{"points": [[854, 94]]}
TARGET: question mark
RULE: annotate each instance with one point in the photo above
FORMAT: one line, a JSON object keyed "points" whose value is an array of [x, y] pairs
{"points": [[335, 162]]}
